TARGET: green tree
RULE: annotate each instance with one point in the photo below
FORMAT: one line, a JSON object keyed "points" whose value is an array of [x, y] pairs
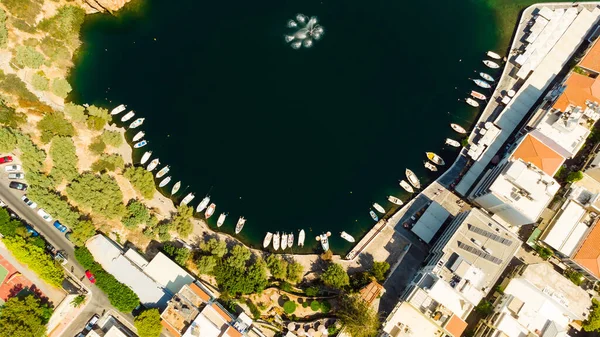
{"points": [[26, 56], [112, 138], [82, 231], [8, 141], [3, 30], [97, 146], [592, 323], [544, 252], [239, 256], [181, 222], [75, 112], [277, 267], [137, 214], [484, 307], [54, 124], [141, 180], [36, 259], [65, 24], [244, 280], [24, 317], [358, 317], [206, 264], [8, 226], [294, 272], [101, 193], [289, 307], [180, 255], [311, 291], [55, 50], [32, 157], [148, 323], [78, 301], [574, 176], [55, 204], [101, 113], [61, 88], [95, 123], [40, 81], [214, 247], [575, 276], [23, 9], [108, 162], [335, 276], [9, 117], [379, 270], [64, 159]]}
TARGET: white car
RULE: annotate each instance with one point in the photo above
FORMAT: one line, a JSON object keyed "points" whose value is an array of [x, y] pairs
{"points": [[28, 202], [44, 215], [12, 168], [18, 175]]}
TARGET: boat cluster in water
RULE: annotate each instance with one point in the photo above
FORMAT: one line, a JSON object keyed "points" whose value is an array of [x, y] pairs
{"points": [[486, 81], [306, 31]]}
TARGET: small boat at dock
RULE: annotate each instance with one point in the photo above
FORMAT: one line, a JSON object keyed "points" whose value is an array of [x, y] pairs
{"points": [[478, 95], [240, 225], [482, 83], [472, 102], [284, 241], [291, 240], [430, 166], [412, 178], [118, 109], [267, 239], [458, 128], [165, 181], [145, 157], [210, 210], [394, 200], [491, 64], [347, 237], [221, 220], [487, 77], [162, 171], [138, 136], [324, 242], [452, 142], [276, 241], [187, 199], [153, 164], [379, 208], [493, 55], [137, 123], [202, 205], [373, 215], [127, 116], [140, 144], [435, 158], [301, 237], [406, 186], [176, 187]]}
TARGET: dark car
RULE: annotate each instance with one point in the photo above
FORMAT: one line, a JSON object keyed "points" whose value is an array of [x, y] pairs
{"points": [[61, 228], [31, 230], [90, 276], [17, 186], [6, 159]]}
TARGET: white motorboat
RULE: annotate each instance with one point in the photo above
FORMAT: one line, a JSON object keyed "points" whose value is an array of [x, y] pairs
{"points": [[347, 237], [221, 219], [162, 171], [284, 241], [379, 208], [118, 109], [301, 238], [452, 142], [491, 64], [324, 241], [412, 178], [240, 225], [202, 205], [430, 166], [482, 83], [187, 199], [291, 240], [435, 158], [276, 241], [145, 157], [176, 187], [210, 210], [472, 102], [373, 215], [458, 128], [137, 123], [140, 144], [138, 136], [493, 55], [267, 239], [127, 116], [487, 77], [394, 200], [406, 186], [153, 164], [165, 181]]}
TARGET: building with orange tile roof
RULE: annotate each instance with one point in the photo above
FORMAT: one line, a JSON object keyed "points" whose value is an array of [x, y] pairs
{"points": [[456, 326], [577, 90], [591, 60], [586, 258], [532, 150]]}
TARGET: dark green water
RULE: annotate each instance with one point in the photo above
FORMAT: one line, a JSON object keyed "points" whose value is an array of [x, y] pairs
{"points": [[289, 138]]}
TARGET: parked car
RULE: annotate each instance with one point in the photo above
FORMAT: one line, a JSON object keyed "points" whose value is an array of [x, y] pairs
{"points": [[68, 235], [12, 168], [44, 215], [61, 228], [5, 159], [92, 279], [17, 186], [18, 175], [31, 230], [61, 257], [2, 203], [28, 202]]}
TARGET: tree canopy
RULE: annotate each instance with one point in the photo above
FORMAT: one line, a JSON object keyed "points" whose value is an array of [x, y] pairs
{"points": [[379, 269], [27, 56], [101, 193], [239, 256], [75, 112], [112, 138], [64, 159], [148, 323], [108, 162], [592, 323], [141, 180], [335, 276], [54, 204], [81, 231], [358, 318], [136, 214], [180, 255], [181, 222], [245, 280], [54, 124], [61, 87], [24, 317], [214, 247], [36, 259]]}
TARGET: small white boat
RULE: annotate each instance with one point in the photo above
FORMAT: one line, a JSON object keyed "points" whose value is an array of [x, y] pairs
{"points": [[379, 208], [162, 171], [138, 136], [482, 83], [493, 55], [406, 186], [472, 102], [145, 157], [202, 205], [478, 95], [491, 64], [301, 237], [487, 77], [240, 225], [140, 144], [430, 166], [458, 128], [324, 242], [276, 241], [267, 239], [435, 158], [412, 178], [373, 215], [165, 181], [452, 142], [284, 241], [153, 164], [210, 210], [176, 187], [187, 199], [394, 200], [347, 237], [137, 123], [291, 240], [127, 116], [118, 109], [221, 219]]}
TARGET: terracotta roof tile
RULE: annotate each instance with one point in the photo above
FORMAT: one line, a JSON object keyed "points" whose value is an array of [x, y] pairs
{"points": [[198, 291], [371, 291], [221, 312], [232, 332], [170, 328], [591, 60], [532, 150], [456, 326], [578, 89], [588, 255]]}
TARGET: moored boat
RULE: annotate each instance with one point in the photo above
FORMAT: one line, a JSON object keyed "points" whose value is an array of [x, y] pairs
{"points": [[472, 102], [373, 215], [267, 239], [347, 237], [394, 200], [379, 208], [291, 240], [412, 178], [276, 241], [240, 225], [140, 144], [202, 205], [301, 237], [406, 186], [153, 164], [118, 109], [164, 182], [162, 171], [493, 55], [176, 187], [458, 128], [491, 64], [452, 142], [324, 242], [435, 158], [430, 166], [145, 157], [482, 83], [284, 241], [478, 95], [487, 77], [138, 136], [221, 220], [127, 116], [187, 199], [137, 123], [210, 210]]}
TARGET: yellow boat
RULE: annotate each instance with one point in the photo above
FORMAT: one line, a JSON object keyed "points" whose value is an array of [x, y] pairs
{"points": [[435, 158]]}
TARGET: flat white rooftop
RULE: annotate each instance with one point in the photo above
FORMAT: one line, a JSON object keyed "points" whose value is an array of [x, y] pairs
{"points": [[430, 222], [567, 230], [563, 134], [406, 321]]}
